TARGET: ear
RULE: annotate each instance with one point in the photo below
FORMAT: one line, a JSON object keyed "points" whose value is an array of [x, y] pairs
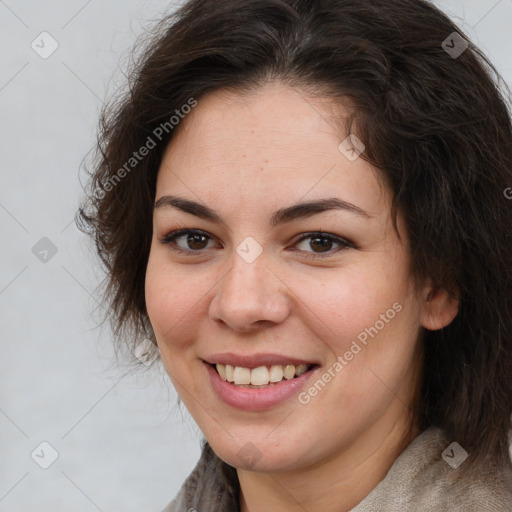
{"points": [[439, 307]]}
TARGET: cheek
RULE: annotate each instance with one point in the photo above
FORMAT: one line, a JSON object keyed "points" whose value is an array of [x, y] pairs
{"points": [[172, 301], [351, 301], [368, 316]]}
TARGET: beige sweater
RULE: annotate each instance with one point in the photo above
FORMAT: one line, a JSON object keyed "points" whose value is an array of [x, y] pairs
{"points": [[419, 481]]}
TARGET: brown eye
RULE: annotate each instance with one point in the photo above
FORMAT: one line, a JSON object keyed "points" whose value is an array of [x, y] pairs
{"points": [[322, 245], [196, 241], [319, 245], [187, 240]]}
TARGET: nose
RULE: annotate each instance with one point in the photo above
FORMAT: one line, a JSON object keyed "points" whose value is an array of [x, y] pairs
{"points": [[250, 296]]}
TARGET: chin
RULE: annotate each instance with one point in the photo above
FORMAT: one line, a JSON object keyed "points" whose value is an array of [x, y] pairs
{"points": [[261, 456]]}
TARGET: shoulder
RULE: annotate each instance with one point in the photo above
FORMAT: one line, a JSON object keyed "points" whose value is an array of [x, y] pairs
{"points": [[422, 480]]}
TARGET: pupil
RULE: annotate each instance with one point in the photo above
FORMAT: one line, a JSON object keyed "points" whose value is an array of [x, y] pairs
{"points": [[193, 238], [323, 246]]}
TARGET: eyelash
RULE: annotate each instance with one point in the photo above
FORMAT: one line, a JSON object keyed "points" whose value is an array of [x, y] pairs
{"points": [[170, 241]]}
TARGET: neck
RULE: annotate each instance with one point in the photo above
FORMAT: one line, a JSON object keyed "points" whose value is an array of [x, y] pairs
{"points": [[336, 484]]}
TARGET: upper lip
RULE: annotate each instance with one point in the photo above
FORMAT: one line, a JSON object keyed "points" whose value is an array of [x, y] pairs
{"points": [[254, 360]]}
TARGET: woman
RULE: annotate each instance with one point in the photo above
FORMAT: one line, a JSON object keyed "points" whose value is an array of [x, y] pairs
{"points": [[302, 205]]}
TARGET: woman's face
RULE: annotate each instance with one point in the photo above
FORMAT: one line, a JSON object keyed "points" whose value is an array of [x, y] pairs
{"points": [[259, 287]]}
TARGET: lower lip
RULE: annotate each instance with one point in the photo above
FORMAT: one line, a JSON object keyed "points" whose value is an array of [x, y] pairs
{"points": [[257, 399]]}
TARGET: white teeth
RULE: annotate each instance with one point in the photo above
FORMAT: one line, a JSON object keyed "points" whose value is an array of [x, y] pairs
{"points": [[261, 376], [276, 373], [230, 370], [242, 375], [221, 368]]}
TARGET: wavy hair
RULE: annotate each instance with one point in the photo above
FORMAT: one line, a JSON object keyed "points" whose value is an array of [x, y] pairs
{"points": [[437, 126]]}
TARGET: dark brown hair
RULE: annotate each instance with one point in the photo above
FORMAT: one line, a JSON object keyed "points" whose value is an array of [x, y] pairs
{"points": [[436, 124]]}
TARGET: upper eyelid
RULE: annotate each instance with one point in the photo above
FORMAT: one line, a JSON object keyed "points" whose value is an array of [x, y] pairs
{"points": [[178, 233]]}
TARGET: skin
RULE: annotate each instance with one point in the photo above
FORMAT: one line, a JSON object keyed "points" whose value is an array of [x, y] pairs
{"points": [[246, 155]]}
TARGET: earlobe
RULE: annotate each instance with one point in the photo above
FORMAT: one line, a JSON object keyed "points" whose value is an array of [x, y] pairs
{"points": [[440, 306]]}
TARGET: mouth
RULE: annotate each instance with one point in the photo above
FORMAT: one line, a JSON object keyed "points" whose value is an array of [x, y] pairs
{"points": [[258, 387], [264, 376]]}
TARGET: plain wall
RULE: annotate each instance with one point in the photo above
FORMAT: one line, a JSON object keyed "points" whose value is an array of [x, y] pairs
{"points": [[123, 445]]}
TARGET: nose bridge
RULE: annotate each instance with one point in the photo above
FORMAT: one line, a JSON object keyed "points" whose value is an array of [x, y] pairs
{"points": [[249, 293]]}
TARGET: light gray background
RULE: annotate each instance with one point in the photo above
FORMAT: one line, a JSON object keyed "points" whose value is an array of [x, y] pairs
{"points": [[123, 444]]}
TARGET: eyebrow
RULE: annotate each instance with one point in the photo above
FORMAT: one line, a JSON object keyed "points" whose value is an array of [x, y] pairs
{"points": [[281, 216]]}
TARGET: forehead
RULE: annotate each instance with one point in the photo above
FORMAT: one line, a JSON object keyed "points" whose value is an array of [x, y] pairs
{"points": [[273, 142]]}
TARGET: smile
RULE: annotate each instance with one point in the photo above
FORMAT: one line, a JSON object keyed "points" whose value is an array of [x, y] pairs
{"points": [[260, 376], [259, 388]]}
